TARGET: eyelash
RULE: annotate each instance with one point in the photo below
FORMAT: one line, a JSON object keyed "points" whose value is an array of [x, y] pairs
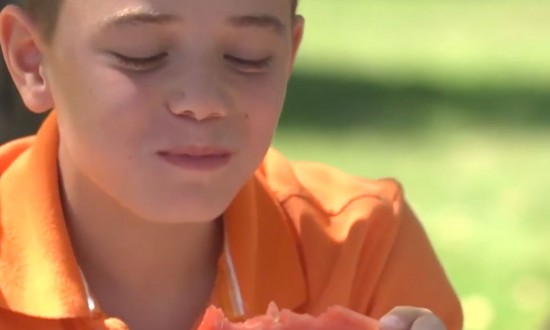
{"points": [[140, 63], [151, 62], [249, 66]]}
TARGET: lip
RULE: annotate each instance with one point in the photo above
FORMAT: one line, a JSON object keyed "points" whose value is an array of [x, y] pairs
{"points": [[197, 158]]}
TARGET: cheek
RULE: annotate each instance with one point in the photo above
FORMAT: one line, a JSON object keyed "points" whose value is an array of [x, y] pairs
{"points": [[265, 99], [104, 106]]}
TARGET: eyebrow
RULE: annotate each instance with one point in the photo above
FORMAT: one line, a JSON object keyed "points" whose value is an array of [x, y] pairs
{"points": [[258, 21], [137, 17]]}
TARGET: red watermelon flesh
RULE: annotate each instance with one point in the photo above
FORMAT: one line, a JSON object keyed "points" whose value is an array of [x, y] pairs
{"points": [[332, 319]]}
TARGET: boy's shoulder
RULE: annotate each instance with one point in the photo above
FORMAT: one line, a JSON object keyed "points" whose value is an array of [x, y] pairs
{"points": [[327, 189], [345, 227]]}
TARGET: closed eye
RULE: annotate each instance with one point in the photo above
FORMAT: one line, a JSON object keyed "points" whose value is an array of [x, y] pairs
{"points": [[140, 63], [249, 65]]}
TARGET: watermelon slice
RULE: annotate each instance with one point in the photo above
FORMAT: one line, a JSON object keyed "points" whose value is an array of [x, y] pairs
{"points": [[334, 318]]}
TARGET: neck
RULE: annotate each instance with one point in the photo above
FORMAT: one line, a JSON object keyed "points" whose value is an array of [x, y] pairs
{"points": [[125, 257]]}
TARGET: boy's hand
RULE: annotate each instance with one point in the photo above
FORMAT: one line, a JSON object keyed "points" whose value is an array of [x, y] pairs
{"points": [[411, 318]]}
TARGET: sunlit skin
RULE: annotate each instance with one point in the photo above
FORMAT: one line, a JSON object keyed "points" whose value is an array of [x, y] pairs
{"points": [[165, 109]]}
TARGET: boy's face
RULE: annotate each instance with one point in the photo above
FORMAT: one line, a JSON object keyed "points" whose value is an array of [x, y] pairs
{"points": [[168, 106]]}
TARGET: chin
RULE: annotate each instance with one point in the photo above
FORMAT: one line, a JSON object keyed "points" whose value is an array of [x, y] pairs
{"points": [[184, 213]]}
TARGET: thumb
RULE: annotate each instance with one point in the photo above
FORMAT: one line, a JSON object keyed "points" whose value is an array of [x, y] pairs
{"points": [[411, 318]]}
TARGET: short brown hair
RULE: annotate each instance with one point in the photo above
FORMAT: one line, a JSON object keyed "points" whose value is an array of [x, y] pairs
{"points": [[46, 12]]}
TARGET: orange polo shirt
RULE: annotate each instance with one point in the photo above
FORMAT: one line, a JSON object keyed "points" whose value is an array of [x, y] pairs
{"points": [[305, 236]]}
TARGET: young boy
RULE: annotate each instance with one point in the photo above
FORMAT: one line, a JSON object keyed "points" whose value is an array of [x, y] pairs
{"points": [[150, 193]]}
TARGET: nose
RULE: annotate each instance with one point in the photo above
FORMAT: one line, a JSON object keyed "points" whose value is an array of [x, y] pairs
{"points": [[182, 106], [202, 97]]}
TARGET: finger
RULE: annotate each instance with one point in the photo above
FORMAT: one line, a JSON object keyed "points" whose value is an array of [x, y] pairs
{"points": [[402, 318]]}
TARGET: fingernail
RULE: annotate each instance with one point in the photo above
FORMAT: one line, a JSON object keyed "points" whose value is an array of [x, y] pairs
{"points": [[392, 322]]}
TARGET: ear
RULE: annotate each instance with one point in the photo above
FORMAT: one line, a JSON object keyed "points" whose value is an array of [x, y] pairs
{"points": [[297, 36], [23, 51]]}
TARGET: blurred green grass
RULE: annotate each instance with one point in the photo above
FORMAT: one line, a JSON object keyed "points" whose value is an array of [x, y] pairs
{"points": [[452, 98]]}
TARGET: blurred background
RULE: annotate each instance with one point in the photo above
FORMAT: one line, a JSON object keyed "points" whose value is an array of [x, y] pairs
{"points": [[452, 98]]}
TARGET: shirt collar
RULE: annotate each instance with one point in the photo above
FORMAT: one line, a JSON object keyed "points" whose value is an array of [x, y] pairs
{"points": [[39, 274]]}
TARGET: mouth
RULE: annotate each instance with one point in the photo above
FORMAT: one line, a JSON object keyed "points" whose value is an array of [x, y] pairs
{"points": [[197, 158]]}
